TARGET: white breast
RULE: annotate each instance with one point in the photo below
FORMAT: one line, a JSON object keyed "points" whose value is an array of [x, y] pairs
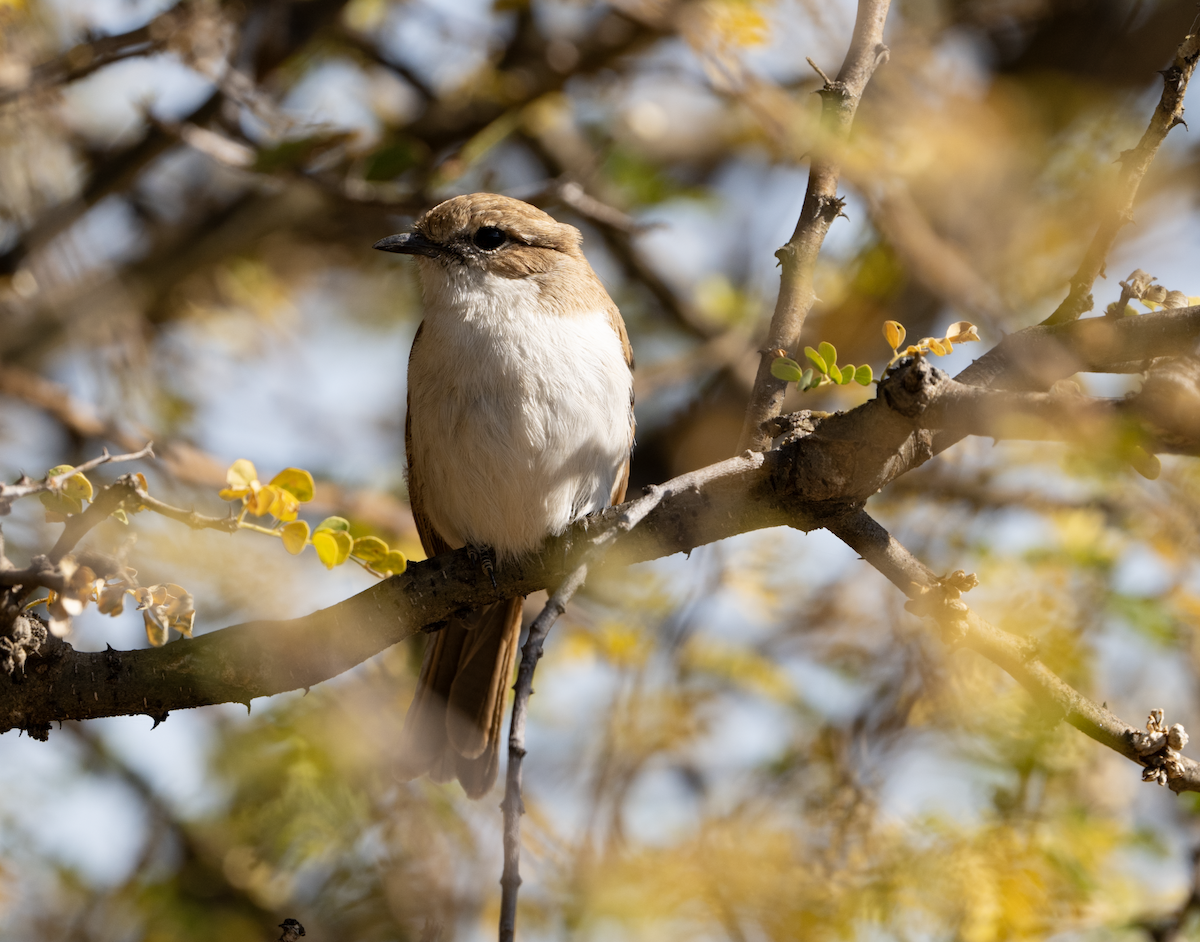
{"points": [[521, 419]]}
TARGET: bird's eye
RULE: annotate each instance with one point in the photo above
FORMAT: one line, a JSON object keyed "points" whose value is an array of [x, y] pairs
{"points": [[489, 237]]}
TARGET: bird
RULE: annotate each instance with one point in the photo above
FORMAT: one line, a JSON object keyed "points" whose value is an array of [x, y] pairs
{"points": [[520, 422]]}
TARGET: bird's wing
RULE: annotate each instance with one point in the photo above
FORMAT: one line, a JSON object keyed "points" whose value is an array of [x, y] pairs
{"points": [[621, 484], [431, 540]]}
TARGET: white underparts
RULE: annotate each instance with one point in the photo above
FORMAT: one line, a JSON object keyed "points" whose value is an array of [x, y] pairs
{"points": [[520, 418]]}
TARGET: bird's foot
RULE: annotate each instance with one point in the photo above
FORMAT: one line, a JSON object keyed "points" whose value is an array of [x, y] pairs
{"points": [[486, 557]]}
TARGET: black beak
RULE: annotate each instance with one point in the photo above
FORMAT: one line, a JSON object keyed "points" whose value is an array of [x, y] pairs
{"points": [[409, 243]]}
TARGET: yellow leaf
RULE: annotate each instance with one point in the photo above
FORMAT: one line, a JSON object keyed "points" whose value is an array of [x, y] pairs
{"points": [[334, 523], [394, 564], [156, 633], [296, 481], [893, 333], [259, 500], [295, 537], [370, 549], [962, 332], [935, 345], [284, 505], [241, 474], [76, 487], [332, 546]]}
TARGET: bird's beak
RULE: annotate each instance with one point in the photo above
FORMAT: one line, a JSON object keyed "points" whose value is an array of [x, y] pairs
{"points": [[409, 243]]}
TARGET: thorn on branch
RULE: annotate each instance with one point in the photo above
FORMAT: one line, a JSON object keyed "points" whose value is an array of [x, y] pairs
{"points": [[816, 68]]}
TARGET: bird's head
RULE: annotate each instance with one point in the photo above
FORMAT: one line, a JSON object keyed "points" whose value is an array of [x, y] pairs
{"points": [[482, 241], [498, 234]]}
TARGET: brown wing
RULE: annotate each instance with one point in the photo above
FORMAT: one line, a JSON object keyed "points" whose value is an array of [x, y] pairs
{"points": [[618, 324], [431, 540]]}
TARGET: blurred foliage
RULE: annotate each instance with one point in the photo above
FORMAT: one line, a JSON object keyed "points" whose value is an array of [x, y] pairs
{"points": [[755, 744]]}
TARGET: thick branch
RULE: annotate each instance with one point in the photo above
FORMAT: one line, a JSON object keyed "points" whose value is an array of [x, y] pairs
{"points": [[798, 258], [1134, 164]]}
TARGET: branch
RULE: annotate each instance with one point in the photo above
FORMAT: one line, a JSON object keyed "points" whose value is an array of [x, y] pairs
{"points": [[88, 57], [263, 658], [631, 514], [1134, 164], [798, 258], [823, 468], [26, 487], [1016, 656], [1166, 412]]}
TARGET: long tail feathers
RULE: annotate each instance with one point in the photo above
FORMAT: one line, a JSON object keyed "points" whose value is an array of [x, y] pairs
{"points": [[453, 727]]}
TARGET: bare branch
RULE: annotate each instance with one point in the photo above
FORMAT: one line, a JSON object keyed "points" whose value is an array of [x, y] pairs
{"points": [[1134, 164], [631, 514], [1016, 656], [822, 205]]}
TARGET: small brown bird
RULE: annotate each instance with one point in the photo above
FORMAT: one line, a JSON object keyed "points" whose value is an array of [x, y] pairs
{"points": [[520, 421]]}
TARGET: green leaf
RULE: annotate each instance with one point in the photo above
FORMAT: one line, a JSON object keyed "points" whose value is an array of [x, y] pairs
{"points": [[807, 380], [296, 481], [333, 523], [370, 549], [846, 375], [828, 353], [863, 375], [786, 369], [392, 159], [60, 503], [295, 537], [817, 360]]}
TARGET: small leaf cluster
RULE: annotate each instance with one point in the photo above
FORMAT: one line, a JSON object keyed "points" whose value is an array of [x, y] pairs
{"points": [[282, 498], [163, 607], [823, 372], [1140, 286], [959, 332]]}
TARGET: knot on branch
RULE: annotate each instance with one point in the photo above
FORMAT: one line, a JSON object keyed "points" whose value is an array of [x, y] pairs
{"points": [[910, 385], [1169, 400], [1159, 749], [794, 425], [943, 602], [830, 207], [1172, 78]]}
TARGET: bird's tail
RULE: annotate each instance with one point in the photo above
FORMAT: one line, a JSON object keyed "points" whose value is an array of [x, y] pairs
{"points": [[453, 727]]}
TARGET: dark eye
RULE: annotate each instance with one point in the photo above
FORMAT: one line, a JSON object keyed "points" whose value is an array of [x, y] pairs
{"points": [[489, 237]]}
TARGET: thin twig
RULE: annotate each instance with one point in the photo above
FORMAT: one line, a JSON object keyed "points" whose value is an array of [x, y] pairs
{"points": [[1016, 656], [24, 488], [513, 806], [1134, 164], [798, 257], [128, 493]]}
